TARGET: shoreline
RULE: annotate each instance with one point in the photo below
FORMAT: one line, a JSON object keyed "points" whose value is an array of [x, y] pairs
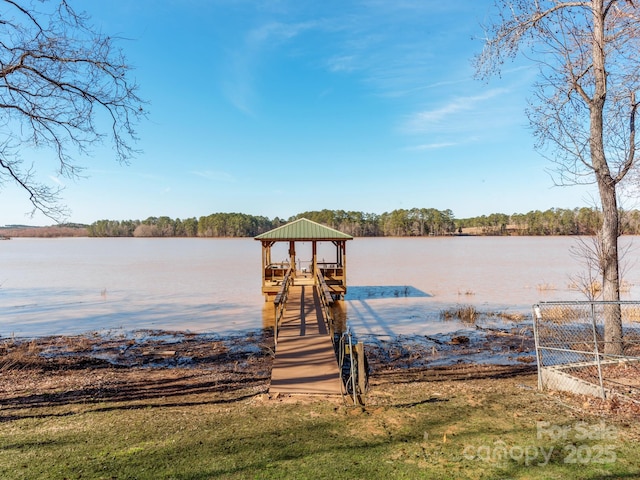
{"points": [[510, 345], [91, 369], [143, 364]]}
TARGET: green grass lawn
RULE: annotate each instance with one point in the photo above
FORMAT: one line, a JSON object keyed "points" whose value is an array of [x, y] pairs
{"points": [[475, 428]]}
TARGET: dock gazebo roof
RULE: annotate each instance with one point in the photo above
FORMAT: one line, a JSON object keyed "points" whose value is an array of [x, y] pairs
{"points": [[303, 230]]}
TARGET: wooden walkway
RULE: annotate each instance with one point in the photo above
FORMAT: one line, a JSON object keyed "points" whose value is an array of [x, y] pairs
{"points": [[305, 360]]}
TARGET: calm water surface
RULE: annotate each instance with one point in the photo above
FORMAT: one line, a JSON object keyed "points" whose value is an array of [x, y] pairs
{"points": [[396, 286]]}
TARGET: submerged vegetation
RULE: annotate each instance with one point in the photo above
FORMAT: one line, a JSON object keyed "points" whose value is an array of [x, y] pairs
{"points": [[469, 314], [464, 313]]}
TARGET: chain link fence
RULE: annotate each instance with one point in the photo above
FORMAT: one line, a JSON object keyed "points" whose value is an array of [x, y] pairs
{"points": [[572, 353]]}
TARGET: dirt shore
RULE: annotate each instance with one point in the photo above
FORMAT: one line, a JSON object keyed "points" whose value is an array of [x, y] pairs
{"points": [[151, 364]]}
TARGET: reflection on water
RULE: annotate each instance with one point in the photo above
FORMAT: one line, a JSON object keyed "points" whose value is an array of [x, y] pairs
{"points": [[268, 315], [339, 311], [493, 274], [384, 291], [395, 285]]}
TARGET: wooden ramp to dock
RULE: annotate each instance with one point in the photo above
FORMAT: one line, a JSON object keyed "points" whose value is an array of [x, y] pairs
{"points": [[305, 360]]}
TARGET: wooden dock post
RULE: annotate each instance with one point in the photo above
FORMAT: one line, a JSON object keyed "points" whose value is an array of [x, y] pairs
{"points": [[362, 371]]}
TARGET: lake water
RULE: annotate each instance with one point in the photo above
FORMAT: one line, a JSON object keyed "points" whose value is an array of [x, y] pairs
{"points": [[396, 285]]}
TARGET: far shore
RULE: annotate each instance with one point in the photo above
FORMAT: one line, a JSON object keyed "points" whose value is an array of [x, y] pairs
{"points": [[56, 231]]}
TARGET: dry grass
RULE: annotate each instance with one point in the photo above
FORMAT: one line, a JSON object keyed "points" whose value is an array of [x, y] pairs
{"points": [[631, 314], [564, 314], [15, 354], [215, 419], [467, 293], [464, 313], [545, 287], [437, 422], [561, 314], [512, 316], [593, 289], [469, 314], [625, 287]]}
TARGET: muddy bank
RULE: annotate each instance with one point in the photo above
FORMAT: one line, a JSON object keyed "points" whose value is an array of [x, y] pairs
{"points": [[104, 369], [159, 348], [87, 366]]}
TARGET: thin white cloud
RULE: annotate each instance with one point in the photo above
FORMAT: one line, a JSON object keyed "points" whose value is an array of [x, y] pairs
{"points": [[427, 120], [240, 94], [342, 63], [270, 34], [417, 90], [396, 47], [431, 146], [246, 59], [151, 176], [325, 93], [214, 175], [392, 47], [57, 180]]}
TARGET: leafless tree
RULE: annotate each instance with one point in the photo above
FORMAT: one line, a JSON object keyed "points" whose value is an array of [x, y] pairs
{"points": [[64, 87], [583, 111]]}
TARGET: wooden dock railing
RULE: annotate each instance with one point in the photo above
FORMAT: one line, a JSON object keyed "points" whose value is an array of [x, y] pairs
{"points": [[327, 301], [280, 302], [351, 356]]}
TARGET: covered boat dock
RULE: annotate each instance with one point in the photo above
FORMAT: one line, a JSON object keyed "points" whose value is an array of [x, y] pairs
{"points": [[333, 272], [303, 293]]}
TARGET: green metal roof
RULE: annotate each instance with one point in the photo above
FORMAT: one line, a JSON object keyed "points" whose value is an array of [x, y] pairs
{"points": [[302, 230]]}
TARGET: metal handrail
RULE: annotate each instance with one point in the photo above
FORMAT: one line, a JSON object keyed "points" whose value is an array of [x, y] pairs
{"points": [[357, 377]]}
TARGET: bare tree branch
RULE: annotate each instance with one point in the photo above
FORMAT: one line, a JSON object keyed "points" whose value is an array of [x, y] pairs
{"points": [[584, 110], [60, 81]]}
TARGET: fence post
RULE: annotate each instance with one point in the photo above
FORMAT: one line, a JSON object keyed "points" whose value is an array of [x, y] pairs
{"points": [[596, 350], [537, 317]]}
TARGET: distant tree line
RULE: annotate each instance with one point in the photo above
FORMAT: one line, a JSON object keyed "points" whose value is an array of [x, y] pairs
{"points": [[415, 222], [215, 225], [555, 221], [54, 231]]}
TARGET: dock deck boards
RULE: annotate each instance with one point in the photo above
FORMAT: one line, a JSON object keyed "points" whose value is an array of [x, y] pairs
{"points": [[305, 360]]}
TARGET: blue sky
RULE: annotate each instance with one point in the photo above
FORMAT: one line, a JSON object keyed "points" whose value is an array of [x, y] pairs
{"points": [[278, 107]]}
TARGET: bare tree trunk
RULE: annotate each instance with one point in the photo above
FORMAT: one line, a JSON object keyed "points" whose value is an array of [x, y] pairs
{"points": [[610, 271], [585, 50], [607, 188]]}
